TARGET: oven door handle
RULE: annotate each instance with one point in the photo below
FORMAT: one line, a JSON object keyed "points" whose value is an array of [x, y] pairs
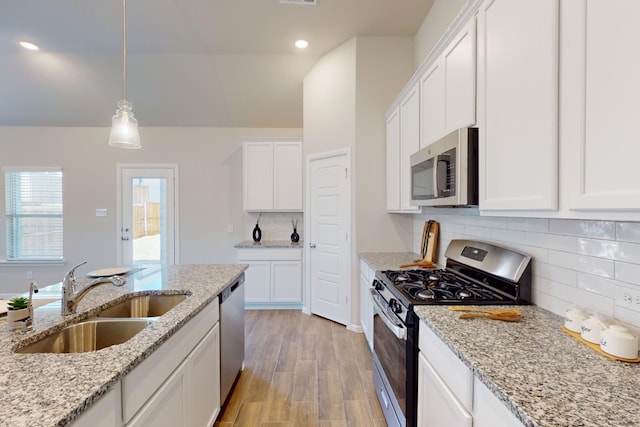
{"points": [[397, 328]]}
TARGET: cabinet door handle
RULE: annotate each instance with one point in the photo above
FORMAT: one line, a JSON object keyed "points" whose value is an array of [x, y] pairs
{"points": [[312, 245]]}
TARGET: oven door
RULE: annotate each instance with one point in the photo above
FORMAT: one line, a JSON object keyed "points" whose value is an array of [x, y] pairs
{"points": [[390, 360]]}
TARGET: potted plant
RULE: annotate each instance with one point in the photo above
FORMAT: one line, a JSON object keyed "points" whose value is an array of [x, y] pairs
{"points": [[17, 311]]}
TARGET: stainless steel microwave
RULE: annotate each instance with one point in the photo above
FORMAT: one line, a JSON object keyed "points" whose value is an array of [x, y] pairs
{"points": [[445, 173]]}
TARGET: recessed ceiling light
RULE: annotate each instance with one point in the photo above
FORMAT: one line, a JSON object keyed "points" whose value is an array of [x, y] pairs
{"points": [[29, 45], [301, 44]]}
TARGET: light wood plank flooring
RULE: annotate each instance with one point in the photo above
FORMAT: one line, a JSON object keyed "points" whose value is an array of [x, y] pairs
{"points": [[302, 371]]}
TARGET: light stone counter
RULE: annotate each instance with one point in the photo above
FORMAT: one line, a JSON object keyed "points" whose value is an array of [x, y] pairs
{"points": [[388, 260], [265, 244], [545, 377], [53, 389]]}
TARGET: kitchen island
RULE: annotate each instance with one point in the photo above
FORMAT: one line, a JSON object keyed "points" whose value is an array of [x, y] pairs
{"points": [[54, 389]]}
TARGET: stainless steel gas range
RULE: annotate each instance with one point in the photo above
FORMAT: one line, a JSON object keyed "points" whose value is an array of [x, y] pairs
{"points": [[476, 273]]}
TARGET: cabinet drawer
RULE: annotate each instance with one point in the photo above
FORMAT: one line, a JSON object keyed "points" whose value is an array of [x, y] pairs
{"points": [[270, 254], [453, 372]]}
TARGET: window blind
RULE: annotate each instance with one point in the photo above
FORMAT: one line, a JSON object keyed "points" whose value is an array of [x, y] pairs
{"points": [[34, 215]]}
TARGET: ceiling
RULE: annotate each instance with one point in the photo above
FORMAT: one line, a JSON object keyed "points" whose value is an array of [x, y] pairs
{"points": [[219, 63]]}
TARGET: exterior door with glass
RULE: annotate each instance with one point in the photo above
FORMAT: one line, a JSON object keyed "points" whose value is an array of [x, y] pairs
{"points": [[148, 214]]}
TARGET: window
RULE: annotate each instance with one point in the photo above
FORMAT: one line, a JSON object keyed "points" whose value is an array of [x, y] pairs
{"points": [[33, 213]]}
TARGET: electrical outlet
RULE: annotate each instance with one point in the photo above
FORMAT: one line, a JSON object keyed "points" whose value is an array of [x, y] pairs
{"points": [[230, 228], [628, 298]]}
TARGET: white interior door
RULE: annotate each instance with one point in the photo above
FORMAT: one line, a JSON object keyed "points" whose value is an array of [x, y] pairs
{"points": [[147, 215], [329, 240]]}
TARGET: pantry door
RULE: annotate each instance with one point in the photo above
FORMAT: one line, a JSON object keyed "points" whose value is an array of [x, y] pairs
{"points": [[329, 235], [147, 214]]}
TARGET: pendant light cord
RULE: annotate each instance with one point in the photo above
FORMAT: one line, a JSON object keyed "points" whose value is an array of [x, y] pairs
{"points": [[124, 49]]}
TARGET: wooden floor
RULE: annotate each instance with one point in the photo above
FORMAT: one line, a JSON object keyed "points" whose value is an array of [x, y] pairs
{"points": [[301, 371]]}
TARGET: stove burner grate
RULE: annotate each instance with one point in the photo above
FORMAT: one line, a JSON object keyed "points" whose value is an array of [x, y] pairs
{"points": [[439, 285]]}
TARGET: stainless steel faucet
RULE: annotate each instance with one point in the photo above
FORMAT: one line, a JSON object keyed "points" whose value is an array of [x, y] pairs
{"points": [[70, 298]]}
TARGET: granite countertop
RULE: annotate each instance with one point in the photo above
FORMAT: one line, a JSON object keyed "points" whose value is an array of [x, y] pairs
{"points": [[544, 376], [388, 260], [53, 389], [269, 244]]}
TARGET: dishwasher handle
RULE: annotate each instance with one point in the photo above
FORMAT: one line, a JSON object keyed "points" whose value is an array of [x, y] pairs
{"points": [[226, 292]]}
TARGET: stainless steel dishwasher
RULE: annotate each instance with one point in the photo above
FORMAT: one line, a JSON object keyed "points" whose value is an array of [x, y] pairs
{"points": [[231, 335]]}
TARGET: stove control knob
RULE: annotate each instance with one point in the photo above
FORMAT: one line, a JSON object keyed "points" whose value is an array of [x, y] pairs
{"points": [[378, 286], [396, 307]]}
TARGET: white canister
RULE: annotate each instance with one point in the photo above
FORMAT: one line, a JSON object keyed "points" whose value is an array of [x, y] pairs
{"points": [[592, 328], [573, 318], [620, 342]]}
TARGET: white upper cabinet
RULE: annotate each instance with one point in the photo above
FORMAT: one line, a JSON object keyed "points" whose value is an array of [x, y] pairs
{"points": [[393, 160], [518, 104], [403, 133], [272, 176], [600, 111], [448, 88], [432, 93]]}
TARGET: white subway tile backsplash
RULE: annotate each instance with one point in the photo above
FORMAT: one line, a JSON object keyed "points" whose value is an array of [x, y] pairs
{"points": [[620, 251], [586, 264], [555, 273], [575, 262], [597, 285], [583, 228], [528, 224], [502, 235], [628, 231], [628, 273], [553, 241], [582, 298]]}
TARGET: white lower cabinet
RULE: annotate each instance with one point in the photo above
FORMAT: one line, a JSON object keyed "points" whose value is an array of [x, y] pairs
{"points": [[179, 383], [274, 277], [204, 381], [366, 306], [106, 412], [445, 384], [437, 405], [448, 393], [167, 407], [488, 411]]}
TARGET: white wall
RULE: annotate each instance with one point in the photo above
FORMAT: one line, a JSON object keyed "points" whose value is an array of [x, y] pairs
{"points": [[433, 27], [210, 193], [345, 97]]}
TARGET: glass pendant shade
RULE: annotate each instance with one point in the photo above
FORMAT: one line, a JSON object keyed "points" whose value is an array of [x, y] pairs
{"points": [[124, 127]]}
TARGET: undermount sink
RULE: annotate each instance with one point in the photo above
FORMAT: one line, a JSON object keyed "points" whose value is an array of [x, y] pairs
{"points": [[88, 336], [143, 306]]}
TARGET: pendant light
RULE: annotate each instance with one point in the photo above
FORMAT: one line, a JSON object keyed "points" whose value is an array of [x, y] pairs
{"points": [[124, 126]]}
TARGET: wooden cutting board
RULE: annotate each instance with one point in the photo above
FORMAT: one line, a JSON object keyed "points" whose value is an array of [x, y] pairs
{"points": [[428, 246]]}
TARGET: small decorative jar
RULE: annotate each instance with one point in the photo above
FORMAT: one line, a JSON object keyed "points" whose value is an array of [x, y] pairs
{"points": [[295, 237]]}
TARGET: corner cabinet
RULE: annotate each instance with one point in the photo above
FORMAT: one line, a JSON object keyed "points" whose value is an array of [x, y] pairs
{"points": [[518, 104], [274, 277], [272, 176], [403, 133]]}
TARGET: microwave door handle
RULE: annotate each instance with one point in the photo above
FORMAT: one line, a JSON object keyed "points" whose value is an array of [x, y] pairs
{"points": [[441, 170]]}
